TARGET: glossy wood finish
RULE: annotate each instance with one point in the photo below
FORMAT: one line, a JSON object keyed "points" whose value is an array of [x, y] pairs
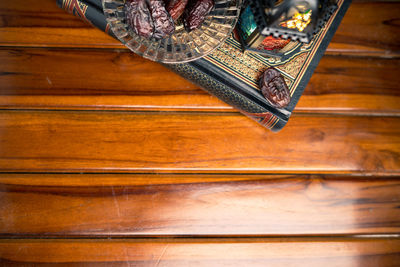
{"points": [[93, 146], [64, 79], [368, 28], [63, 205], [147, 142], [205, 252]]}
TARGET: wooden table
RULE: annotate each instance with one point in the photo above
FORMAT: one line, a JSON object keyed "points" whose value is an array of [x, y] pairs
{"points": [[106, 157]]}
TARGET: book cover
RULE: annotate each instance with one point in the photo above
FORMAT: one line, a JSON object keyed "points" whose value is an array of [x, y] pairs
{"points": [[232, 75]]}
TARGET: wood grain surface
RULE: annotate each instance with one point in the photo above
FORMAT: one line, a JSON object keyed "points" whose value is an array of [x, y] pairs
{"points": [[147, 142], [204, 252], [70, 205], [94, 147], [368, 28], [64, 79]]}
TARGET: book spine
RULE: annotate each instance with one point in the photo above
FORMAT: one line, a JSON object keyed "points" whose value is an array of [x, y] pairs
{"points": [[220, 89], [226, 89]]}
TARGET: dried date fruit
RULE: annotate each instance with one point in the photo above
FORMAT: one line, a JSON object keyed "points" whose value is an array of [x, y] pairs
{"points": [[196, 12], [274, 88], [163, 22], [176, 7], [139, 18]]}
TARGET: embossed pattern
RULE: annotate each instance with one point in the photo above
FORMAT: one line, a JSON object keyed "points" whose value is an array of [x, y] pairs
{"points": [[181, 46]]}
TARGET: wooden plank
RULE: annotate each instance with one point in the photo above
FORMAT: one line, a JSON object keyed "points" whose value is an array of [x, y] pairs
{"points": [[369, 28], [64, 79], [70, 72], [209, 252], [192, 142], [352, 85], [56, 205], [30, 13]]}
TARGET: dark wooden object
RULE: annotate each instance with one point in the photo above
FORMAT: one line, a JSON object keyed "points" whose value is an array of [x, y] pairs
{"points": [[93, 146]]}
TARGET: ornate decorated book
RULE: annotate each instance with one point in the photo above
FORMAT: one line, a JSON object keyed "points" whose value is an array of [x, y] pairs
{"points": [[233, 75]]}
